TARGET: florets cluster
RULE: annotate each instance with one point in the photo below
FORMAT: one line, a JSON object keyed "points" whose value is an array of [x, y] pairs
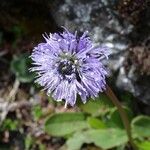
{"points": [[68, 65]]}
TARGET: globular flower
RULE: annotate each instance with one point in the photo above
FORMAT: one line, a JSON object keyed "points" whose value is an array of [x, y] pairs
{"points": [[68, 65]]}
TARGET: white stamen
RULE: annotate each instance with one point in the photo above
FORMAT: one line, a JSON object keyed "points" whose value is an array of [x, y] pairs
{"points": [[66, 104], [59, 100], [79, 93], [75, 61]]}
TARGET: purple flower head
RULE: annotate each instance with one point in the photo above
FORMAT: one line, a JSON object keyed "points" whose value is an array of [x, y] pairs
{"points": [[68, 65]]}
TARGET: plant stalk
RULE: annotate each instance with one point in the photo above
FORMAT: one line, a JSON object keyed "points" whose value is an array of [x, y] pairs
{"points": [[122, 113]]}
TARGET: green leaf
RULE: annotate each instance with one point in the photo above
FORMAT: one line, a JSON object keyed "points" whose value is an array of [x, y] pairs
{"points": [[42, 146], [96, 123], [10, 124], [65, 123], [37, 112], [99, 106], [144, 145], [115, 119], [141, 126], [28, 142], [104, 138], [121, 147], [20, 67]]}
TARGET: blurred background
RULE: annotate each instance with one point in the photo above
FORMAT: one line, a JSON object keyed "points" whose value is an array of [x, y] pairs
{"points": [[30, 120]]}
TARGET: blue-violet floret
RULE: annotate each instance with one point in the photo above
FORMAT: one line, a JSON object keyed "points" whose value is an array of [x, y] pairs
{"points": [[68, 65]]}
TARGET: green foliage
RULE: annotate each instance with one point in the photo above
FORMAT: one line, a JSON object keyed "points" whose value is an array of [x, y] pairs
{"points": [[102, 126], [20, 67], [141, 126], [65, 123], [28, 142], [42, 146], [100, 123], [37, 112], [104, 138], [96, 123], [144, 145], [99, 106], [115, 119], [10, 124]]}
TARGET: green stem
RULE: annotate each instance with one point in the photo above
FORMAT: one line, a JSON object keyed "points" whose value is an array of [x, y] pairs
{"points": [[122, 113]]}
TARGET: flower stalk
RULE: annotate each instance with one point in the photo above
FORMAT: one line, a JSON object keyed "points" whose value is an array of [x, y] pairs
{"points": [[122, 113]]}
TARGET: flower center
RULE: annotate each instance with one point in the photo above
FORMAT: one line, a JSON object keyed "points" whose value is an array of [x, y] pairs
{"points": [[67, 64], [66, 68]]}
